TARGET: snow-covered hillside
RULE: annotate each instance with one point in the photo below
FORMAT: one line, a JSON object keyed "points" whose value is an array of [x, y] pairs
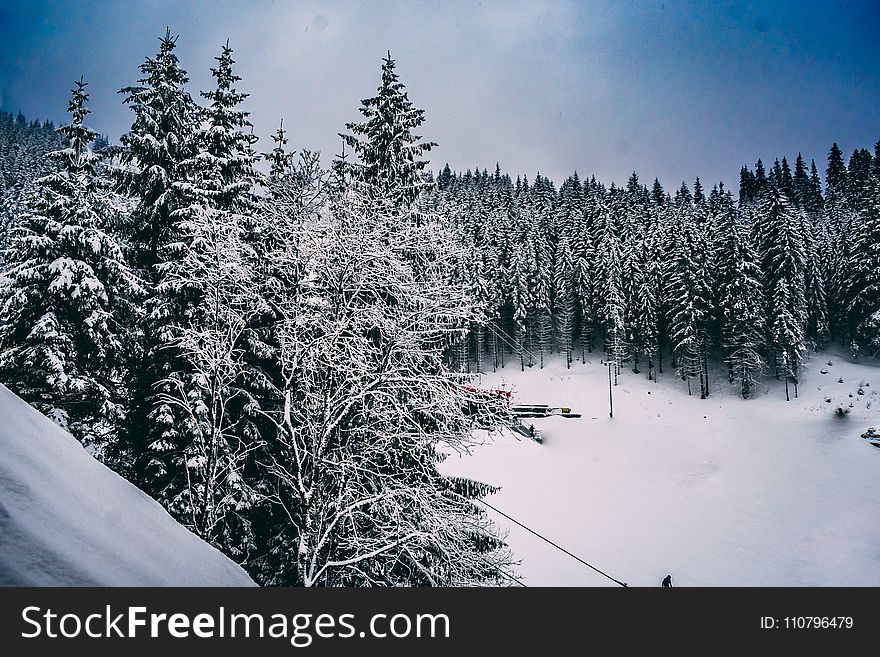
{"points": [[717, 492], [65, 519]]}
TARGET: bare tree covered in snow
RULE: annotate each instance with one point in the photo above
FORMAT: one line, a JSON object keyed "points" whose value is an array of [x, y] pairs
{"points": [[367, 405]]}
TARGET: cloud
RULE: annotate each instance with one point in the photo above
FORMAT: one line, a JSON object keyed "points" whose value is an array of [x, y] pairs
{"points": [[668, 89]]}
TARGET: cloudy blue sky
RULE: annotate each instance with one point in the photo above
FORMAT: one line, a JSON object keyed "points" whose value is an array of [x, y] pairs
{"points": [[668, 88]]}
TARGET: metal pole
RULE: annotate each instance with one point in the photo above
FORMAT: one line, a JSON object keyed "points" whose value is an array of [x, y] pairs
{"points": [[610, 398]]}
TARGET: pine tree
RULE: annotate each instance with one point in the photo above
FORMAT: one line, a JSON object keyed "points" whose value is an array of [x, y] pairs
{"points": [[781, 248], [746, 186], [859, 177], [159, 142], [564, 280], [610, 284], [390, 167], [838, 219], [699, 196], [646, 333], [218, 383], [540, 240], [814, 203], [761, 184], [569, 225], [816, 329], [158, 175], [864, 267], [23, 148], [69, 304], [658, 196], [786, 181], [801, 187], [741, 305], [280, 160], [587, 266], [226, 159], [521, 263], [690, 298]]}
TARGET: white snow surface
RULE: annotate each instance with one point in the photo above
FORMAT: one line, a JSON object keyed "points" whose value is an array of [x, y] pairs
{"points": [[715, 492], [67, 520]]}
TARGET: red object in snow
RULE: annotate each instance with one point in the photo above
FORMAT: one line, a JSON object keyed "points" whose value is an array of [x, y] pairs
{"points": [[484, 391]]}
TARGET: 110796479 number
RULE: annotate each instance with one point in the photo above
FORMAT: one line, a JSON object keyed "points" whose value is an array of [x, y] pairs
{"points": [[807, 623]]}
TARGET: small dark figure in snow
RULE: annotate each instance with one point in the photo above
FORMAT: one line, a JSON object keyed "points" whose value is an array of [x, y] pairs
{"points": [[667, 582], [532, 430]]}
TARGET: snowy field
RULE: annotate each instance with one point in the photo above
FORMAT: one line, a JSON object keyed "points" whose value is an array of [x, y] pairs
{"points": [[716, 492], [66, 520]]}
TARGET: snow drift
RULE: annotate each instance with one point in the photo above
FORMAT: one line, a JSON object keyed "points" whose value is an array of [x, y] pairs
{"points": [[67, 520]]}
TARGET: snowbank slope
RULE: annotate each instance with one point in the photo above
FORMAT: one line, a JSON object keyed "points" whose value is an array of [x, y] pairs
{"points": [[67, 520]]}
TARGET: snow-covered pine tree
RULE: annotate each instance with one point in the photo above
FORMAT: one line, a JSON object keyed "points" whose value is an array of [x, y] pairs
{"points": [[521, 264], [864, 266], [498, 261], [610, 282], [741, 306], [539, 245], [280, 160], [859, 177], [633, 224], [154, 176], [215, 345], [816, 329], [226, 157], [662, 230], [761, 184], [690, 297], [389, 153], [220, 186], [813, 201], [780, 246], [154, 150], [68, 306], [786, 180], [645, 331], [569, 223], [564, 283], [586, 265], [746, 186], [801, 186], [723, 228], [838, 219]]}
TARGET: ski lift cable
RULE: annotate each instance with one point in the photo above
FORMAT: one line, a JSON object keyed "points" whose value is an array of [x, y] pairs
{"points": [[509, 341], [547, 540], [507, 575]]}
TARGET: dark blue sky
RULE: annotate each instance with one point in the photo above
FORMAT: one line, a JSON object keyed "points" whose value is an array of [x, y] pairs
{"points": [[666, 88]]}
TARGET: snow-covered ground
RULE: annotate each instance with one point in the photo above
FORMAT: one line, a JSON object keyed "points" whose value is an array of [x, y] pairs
{"points": [[716, 492], [65, 519]]}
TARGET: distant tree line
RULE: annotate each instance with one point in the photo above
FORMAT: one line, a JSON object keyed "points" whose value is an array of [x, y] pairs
{"points": [[755, 282]]}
